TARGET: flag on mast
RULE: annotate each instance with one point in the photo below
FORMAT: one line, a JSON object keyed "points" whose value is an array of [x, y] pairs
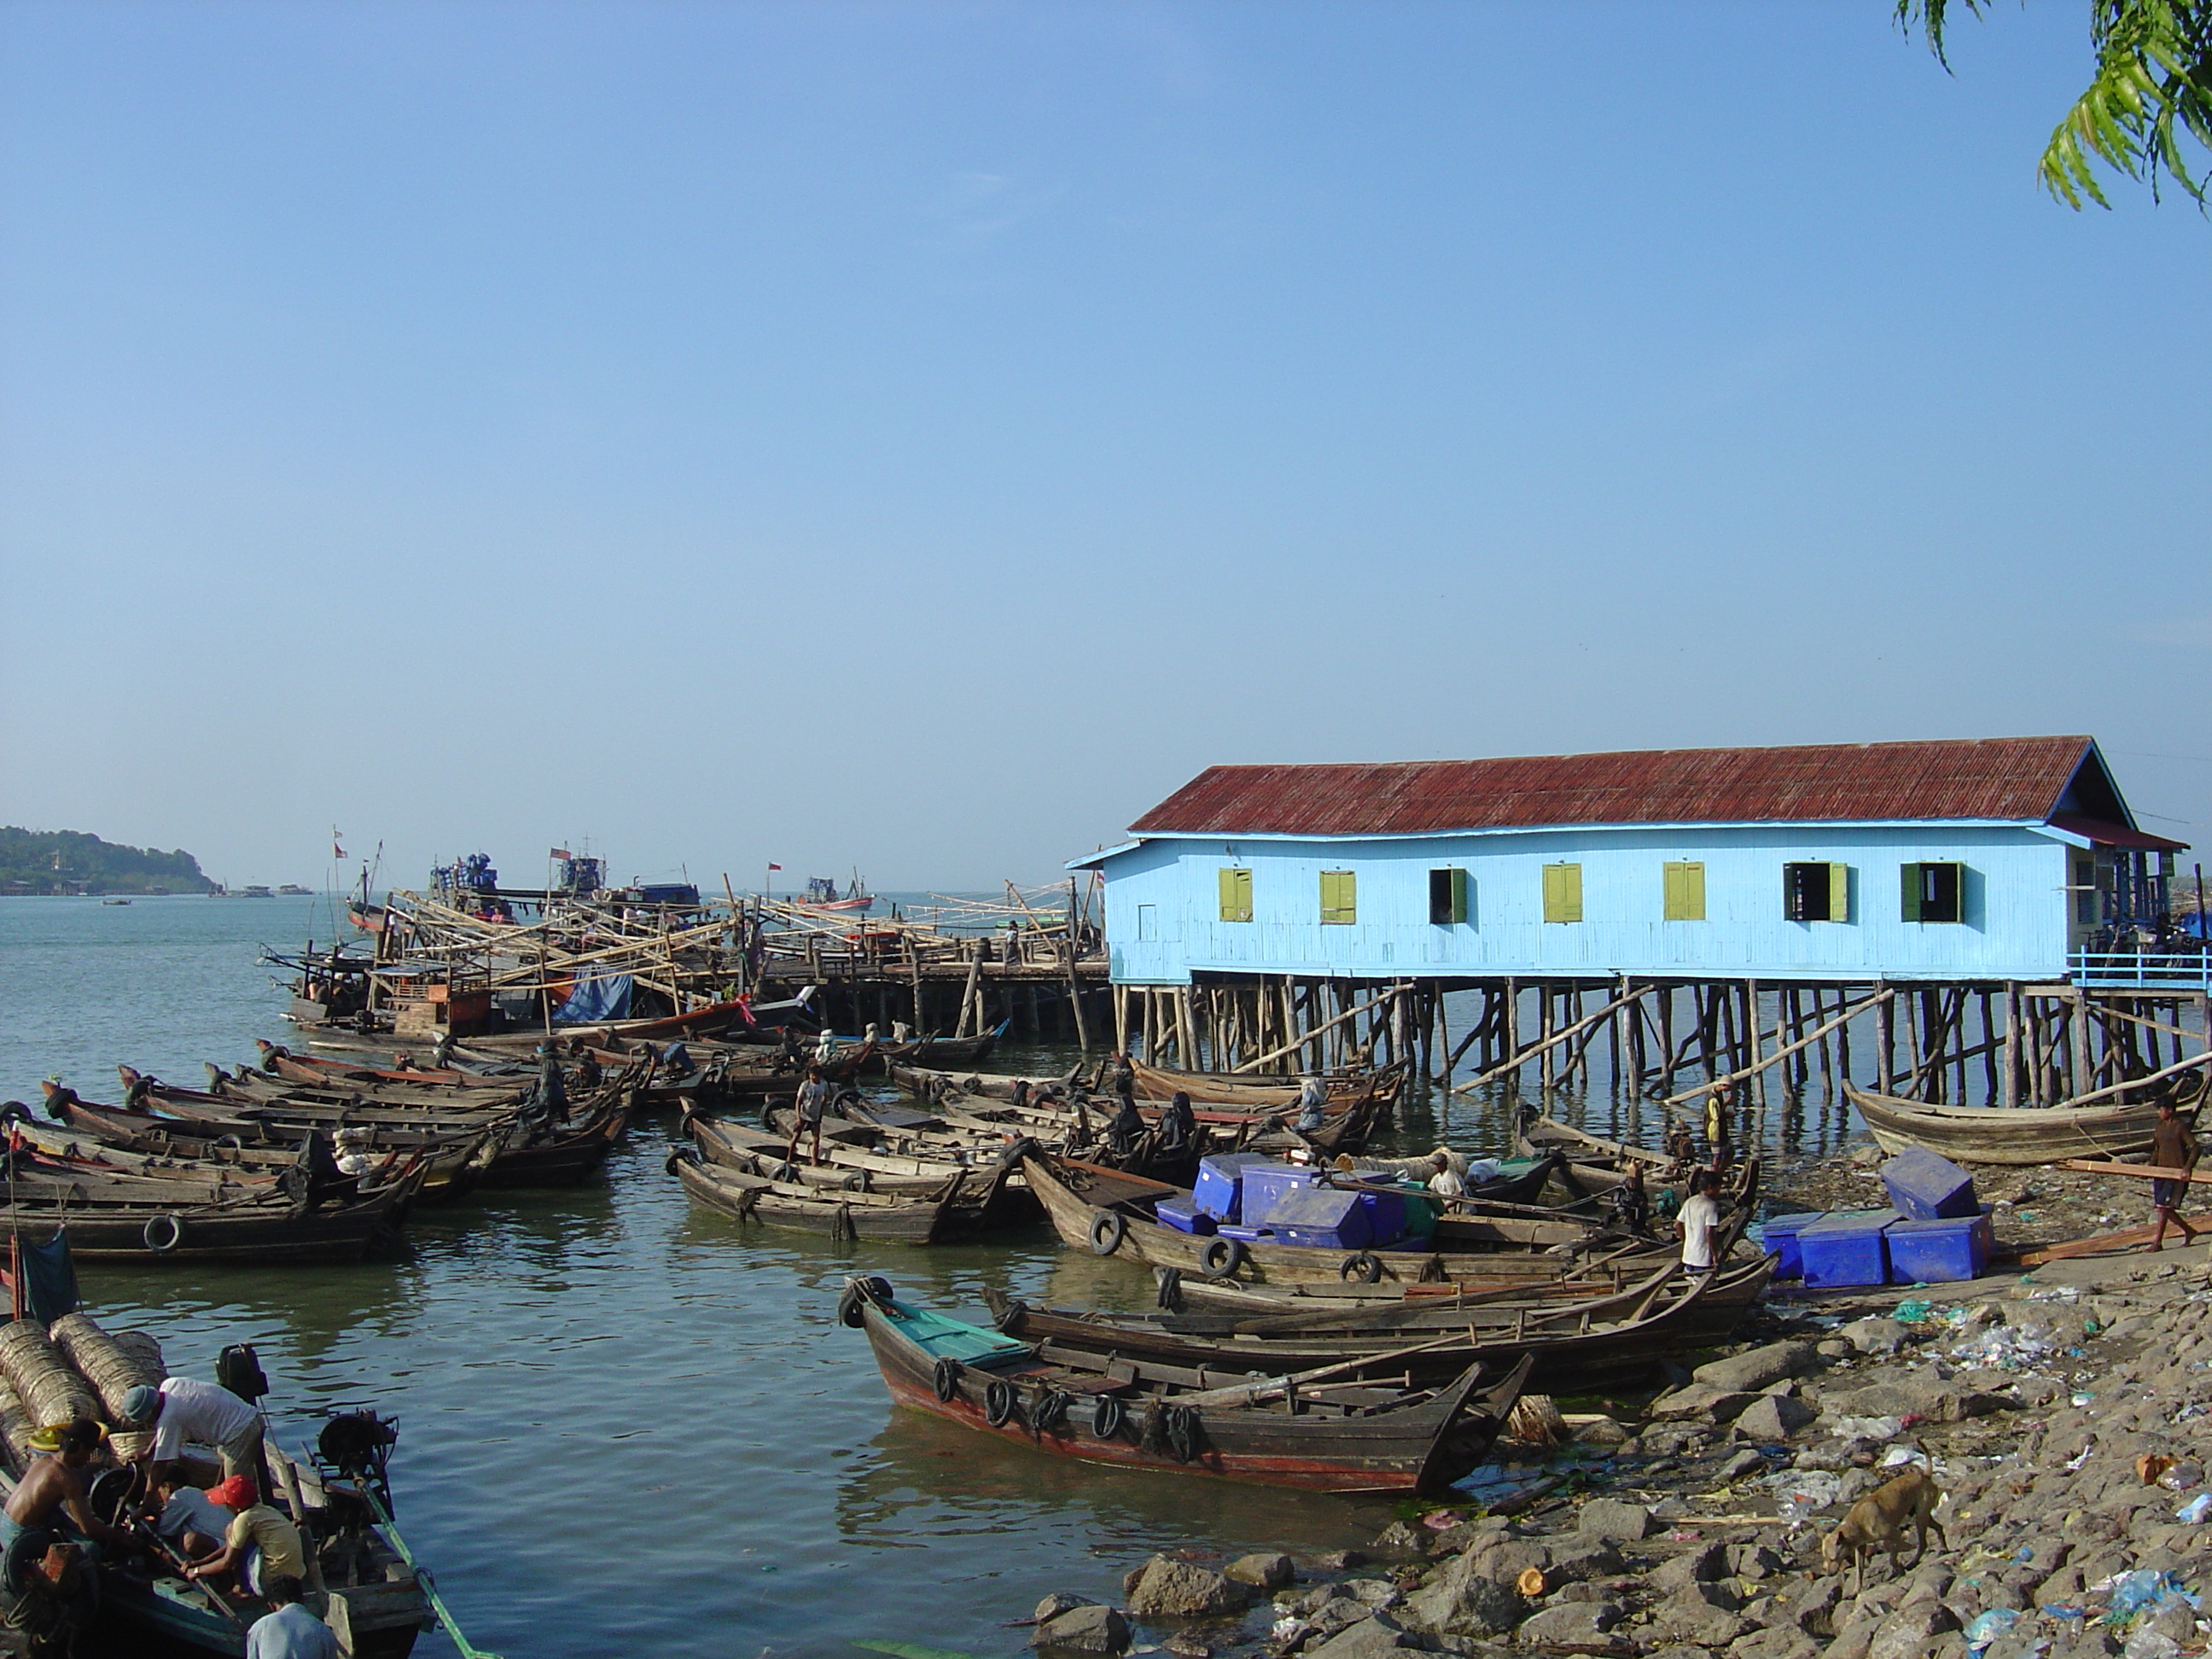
{"points": [[338, 847]]}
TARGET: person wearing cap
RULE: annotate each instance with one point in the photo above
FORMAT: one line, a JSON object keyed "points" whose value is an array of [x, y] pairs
{"points": [[356, 1152], [288, 1631], [52, 1491], [259, 1545], [183, 1409], [1447, 1182]]}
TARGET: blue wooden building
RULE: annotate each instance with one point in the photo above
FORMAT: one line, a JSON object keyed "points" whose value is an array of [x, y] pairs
{"points": [[1948, 861], [1988, 863]]}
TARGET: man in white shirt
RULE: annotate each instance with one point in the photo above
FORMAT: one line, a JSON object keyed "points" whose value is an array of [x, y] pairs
{"points": [[290, 1631], [1446, 1183], [184, 1409], [1698, 1222]]}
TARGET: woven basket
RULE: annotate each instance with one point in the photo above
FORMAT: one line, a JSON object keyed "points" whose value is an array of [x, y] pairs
{"points": [[113, 1365], [42, 1379]]}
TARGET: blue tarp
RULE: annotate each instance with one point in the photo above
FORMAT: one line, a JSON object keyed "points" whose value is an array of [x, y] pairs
{"points": [[602, 997], [49, 1278]]}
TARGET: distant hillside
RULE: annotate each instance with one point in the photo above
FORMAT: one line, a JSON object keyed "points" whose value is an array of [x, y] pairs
{"points": [[69, 861]]}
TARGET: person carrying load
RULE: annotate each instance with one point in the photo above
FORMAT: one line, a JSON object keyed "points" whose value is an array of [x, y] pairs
{"points": [[184, 1408]]}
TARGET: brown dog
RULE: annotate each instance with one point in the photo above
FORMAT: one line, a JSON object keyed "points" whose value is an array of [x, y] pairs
{"points": [[1877, 1523]]}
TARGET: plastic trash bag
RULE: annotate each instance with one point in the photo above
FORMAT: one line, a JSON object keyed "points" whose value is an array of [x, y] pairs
{"points": [[2141, 1590], [1914, 1310], [2148, 1643], [1868, 1428], [1987, 1626], [2195, 1509], [1803, 1492], [2182, 1476], [1899, 1456]]}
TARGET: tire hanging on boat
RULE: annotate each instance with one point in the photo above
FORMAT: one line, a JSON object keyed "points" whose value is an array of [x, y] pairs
{"points": [[1108, 1416], [163, 1233], [1361, 1267], [1049, 1413], [946, 1377], [998, 1401], [1221, 1257], [1107, 1229], [1186, 1436]]}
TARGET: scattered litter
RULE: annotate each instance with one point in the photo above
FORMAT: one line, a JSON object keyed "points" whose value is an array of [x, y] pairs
{"points": [[1800, 1492], [2196, 1509], [2082, 1397], [2140, 1591], [2195, 1409], [2183, 1474], [2055, 1293], [1897, 1455], [2074, 1463], [1987, 1626], [2148, 1643], [1868, 1428], [2004, 1347], [1284, 1632], [1914, 1311]]}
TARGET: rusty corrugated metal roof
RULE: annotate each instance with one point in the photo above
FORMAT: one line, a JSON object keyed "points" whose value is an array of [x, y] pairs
{"points": [[2008, 778]]}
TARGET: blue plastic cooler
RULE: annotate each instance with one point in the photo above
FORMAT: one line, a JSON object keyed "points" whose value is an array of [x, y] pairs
{"points": [[1846, 1248], [1939, 1252], [1780, 1234]]}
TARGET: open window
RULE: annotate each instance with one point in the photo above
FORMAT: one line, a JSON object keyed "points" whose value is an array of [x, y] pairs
{"points": [[1563, 892], [1685, 892], [1339, 896], [1932, 892], [1447, 901], [1236, 894], [1816, 892]]}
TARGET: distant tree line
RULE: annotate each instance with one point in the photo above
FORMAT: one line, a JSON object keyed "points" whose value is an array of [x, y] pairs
{"points": [[69, 861]]}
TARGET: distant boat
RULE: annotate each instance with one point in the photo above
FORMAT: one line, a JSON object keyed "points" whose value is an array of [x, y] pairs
{"points": [[255, 892], [822, 894], [293, 890], [115, 901]]}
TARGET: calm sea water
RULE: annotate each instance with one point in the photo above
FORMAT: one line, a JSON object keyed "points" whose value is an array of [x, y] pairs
{"points": [[628, 1426]]}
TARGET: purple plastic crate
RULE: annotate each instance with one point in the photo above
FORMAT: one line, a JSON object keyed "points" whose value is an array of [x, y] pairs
{"points": [[1779, 1233], [1183, 1218], [1848, 1247], [1219, 1189], [1940, 1252], [1266, 1185], [1926, 1187], [1324, 1220]]}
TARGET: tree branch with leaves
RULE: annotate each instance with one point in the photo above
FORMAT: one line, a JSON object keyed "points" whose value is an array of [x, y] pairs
{"points": [[2150, 98]]}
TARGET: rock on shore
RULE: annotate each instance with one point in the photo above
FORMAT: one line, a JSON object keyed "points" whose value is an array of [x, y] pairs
{"points": [[2064, 1415]]}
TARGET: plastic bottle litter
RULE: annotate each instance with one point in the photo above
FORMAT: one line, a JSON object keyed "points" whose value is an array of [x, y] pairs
{"points": [[2140, 1591], [2195, 1509]]}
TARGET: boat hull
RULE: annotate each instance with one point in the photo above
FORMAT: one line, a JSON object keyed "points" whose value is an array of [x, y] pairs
{"points": [[2007, 1135]]}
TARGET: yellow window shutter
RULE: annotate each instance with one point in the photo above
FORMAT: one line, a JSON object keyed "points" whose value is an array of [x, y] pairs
{"points": [[1236, 894], [1685, 892], [1563, 892], [1339, 896], [1839, 892]]}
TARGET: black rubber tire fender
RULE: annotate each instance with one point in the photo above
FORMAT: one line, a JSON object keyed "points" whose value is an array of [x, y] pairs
{"points": [[1109, 1417], [1361, 1267], [999, 1399], [1221, 1257], [1107, 1229], [946, 1378], [163, 1233]]}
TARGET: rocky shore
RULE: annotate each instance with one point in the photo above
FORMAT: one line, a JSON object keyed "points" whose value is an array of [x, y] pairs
{"points": [[2062, 1412]]}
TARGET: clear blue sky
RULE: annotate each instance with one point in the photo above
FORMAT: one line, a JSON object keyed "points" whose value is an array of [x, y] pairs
{"points": [[921, 436]]}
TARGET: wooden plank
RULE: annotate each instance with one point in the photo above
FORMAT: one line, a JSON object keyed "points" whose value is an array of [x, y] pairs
{"points": [[2101, 1244], [2140, 1171]]}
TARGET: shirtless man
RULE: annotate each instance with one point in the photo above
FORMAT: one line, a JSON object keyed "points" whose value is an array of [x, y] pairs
{"points": [[52, 1491]]}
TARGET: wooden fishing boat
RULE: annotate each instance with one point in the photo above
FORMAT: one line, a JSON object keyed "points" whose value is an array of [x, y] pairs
{"points": [[560, 1155], [367, 1589], [112, 1226], [1109, 1213], [941, 1051], [1999, 1134], [843, 1168], [874, 1217], [451, 1161], [1248, 1091], [280, 1061], [1355, 1427], [1611, 1339]]}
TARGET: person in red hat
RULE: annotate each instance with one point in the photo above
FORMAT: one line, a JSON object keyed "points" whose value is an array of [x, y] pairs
{"points": [[259, 1545]]}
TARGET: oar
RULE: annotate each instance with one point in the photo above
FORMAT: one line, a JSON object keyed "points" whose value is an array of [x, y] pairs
{"points": [[152, 1540]]}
